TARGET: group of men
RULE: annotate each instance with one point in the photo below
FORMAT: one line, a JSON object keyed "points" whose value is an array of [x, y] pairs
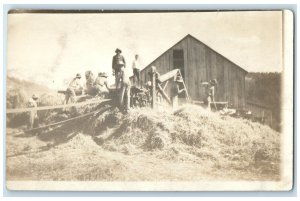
{"points": [[94, 87], [99, 87], [122, 80]]}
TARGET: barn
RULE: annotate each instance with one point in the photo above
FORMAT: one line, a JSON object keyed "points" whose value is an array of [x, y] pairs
{"points": [[199, 63]]}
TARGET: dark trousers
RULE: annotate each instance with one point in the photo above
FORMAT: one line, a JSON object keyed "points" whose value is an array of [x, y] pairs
{"points": [[136, 75], [124, 100]]}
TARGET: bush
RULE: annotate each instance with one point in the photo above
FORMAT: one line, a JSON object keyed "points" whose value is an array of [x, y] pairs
{"points": [[16, 98]]}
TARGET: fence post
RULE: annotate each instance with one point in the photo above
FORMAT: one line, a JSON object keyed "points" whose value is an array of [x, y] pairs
{"points": [[153, 86]]}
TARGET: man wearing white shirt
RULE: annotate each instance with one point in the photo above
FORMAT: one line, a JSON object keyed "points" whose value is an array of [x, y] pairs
{"points": [[74, 86]]}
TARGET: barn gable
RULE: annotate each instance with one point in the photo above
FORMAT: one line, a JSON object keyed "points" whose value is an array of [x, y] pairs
{"points": [[198, 41], [199, 63]]}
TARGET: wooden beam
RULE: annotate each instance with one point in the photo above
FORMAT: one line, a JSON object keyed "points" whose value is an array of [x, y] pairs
{"points": [[153, 85], [186, 92], [65, 121], [166, 84], [168, 75], [18, 110], [164, 94]]}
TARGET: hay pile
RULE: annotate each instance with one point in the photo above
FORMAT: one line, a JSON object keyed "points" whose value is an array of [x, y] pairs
{"points": [[195, 134]]}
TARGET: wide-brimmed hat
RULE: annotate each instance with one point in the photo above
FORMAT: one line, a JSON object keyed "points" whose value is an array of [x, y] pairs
{"points": [[34, 96], [103, 74], [78, 75], [118, 50], [213, 82]]}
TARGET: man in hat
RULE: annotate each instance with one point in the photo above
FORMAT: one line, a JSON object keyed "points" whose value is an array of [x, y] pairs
{"points": [[74, 86], [136, 70], [210, 92], [101, 85], [90, 89], [33, 117], [175, 91], [118, 62]]}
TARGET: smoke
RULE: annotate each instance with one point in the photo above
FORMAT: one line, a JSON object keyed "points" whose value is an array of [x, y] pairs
{"points": [[62, 41]]}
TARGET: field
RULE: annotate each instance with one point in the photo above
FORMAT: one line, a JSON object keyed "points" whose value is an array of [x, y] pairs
{"points": [[190, 144]]}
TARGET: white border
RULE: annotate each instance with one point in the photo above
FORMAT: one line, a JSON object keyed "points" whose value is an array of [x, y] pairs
{"points": [[153, 1]]}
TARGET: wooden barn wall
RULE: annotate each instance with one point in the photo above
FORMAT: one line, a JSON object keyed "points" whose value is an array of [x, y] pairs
{"points": [[205, 64], [202, 64], [164, 63]]}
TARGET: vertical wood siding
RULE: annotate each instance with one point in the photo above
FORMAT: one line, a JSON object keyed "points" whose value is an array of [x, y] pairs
{"points": [[201, 63]]}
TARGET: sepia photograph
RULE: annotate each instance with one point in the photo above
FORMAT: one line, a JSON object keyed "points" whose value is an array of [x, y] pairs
{"points": [[144, 100]]}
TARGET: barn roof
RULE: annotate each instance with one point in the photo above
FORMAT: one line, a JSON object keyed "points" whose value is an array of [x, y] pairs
{"points": [[189, 35]]}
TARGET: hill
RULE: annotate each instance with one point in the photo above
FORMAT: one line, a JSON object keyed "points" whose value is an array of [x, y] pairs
{"points": [[26, 86]]}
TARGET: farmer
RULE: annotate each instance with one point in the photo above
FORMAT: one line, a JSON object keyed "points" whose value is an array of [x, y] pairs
{"points": [[90, 89], [136, 70], [101, 86], [33, 117], [148, 90], [210, 92], [175, 91], [73, 87], [118, 62], [125, 89]]}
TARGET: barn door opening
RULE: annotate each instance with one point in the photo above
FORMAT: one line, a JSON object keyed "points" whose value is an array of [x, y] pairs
{"points": [[178, 61]]}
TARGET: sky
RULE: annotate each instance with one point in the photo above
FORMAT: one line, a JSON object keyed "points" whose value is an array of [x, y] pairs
{"points": [[51, 48]]}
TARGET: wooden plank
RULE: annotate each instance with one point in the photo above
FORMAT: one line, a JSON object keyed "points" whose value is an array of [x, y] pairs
{"points": [[19, 110], [196, 69], [235, 87], [225, 81], [231, 85], [220, 78], [165, 84], [186, 59], [202, 65], [65, 121], [202, 73], [220, 102], [186, 92], [244, 90], [241, 89], [214, 67], [153, 82], [189, 66], [168, 75]]}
